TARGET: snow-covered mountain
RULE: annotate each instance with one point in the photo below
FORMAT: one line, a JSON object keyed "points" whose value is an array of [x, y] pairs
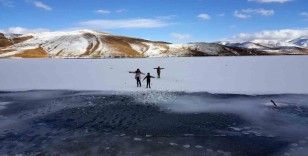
{"points": [[301, 42], [273, 47], [92, 44]]}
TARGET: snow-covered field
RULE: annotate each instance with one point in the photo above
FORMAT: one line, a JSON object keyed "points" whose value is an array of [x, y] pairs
{"points": [[246, 75]]}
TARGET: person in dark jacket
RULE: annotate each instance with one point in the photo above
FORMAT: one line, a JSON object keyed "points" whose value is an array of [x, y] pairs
{"points": [[148, 77], [138, 74], [158, 70]]}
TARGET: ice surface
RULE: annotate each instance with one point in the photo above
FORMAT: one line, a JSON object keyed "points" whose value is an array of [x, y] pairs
{"points": [[248, 75], [135, 123]]}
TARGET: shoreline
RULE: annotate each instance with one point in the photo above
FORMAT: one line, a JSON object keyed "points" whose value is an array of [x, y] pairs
{"points": [[129, 92]]}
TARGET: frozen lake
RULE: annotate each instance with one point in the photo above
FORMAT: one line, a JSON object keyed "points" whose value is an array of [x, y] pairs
{"points": [[91, 107], [246, 75]]}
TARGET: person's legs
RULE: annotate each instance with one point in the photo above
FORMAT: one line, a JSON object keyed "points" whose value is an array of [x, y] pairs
{"points": [[158, 74], [148, 84], [138, 82]]}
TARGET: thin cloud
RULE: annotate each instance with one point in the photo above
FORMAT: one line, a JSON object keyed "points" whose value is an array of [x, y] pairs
{"points": [[272, 35], [221, 15], [121, 11], [180, 36], [270, 1], [42, 5], [22, 30], [168, 17], [247, 13], [232, 26], [241, 15], [103, 11], [204, 16], [125, 23], [7, 3], [305, 15]]}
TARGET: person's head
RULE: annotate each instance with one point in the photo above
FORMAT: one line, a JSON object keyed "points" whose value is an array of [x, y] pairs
{"points": [[158, 66], [148, 74], [138, 69]]}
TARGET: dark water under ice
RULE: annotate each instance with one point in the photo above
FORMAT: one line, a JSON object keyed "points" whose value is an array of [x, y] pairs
{"points": [[151, 123]]}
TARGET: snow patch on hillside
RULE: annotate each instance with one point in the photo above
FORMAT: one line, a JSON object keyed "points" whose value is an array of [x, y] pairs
{"points": [[154, 50]]}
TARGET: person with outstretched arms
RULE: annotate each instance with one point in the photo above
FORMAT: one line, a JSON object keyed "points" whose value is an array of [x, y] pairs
{"points": [[158, 70], [148, 77], [138, 74]]}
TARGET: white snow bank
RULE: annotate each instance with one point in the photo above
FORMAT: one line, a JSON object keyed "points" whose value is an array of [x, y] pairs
{"points": [[247, 75]]}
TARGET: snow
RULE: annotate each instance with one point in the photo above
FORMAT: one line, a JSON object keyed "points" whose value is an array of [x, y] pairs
{"points": [[74, 44], [250, 45], [60, 43], [209, 48], [247, 75], [273, 43], [138, 47], [265, 44], [154, 50], [88, 43]]}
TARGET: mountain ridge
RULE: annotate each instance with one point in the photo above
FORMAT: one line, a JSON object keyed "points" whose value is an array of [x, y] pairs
{"points": [[92, 44]]}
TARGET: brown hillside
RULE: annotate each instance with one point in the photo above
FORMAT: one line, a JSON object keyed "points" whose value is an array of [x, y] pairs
{"points": [[21, 39], [33, 53], [122, 46], [4, 42]]}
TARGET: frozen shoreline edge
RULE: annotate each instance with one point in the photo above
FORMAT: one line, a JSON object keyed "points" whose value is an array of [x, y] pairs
{"points": [[124, 92]]}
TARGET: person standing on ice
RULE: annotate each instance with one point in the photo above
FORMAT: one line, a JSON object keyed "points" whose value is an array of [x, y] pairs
{"points": [[158, 70], [138, 76], [148, 77]]}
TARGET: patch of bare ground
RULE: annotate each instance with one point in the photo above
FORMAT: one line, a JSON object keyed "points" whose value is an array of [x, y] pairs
{"points": [[140, 40], [92, 47], [121, 46], [197, 53], [236, 51], [164, 46], [33, 53], [5, 51], [21, 39], [4, 42]]}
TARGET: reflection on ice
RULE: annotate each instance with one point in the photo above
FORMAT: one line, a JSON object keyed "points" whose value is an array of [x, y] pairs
{"points": [[3, 104]]}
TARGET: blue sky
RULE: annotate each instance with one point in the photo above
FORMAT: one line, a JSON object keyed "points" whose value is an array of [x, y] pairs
{"points": [[168, 20]]}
